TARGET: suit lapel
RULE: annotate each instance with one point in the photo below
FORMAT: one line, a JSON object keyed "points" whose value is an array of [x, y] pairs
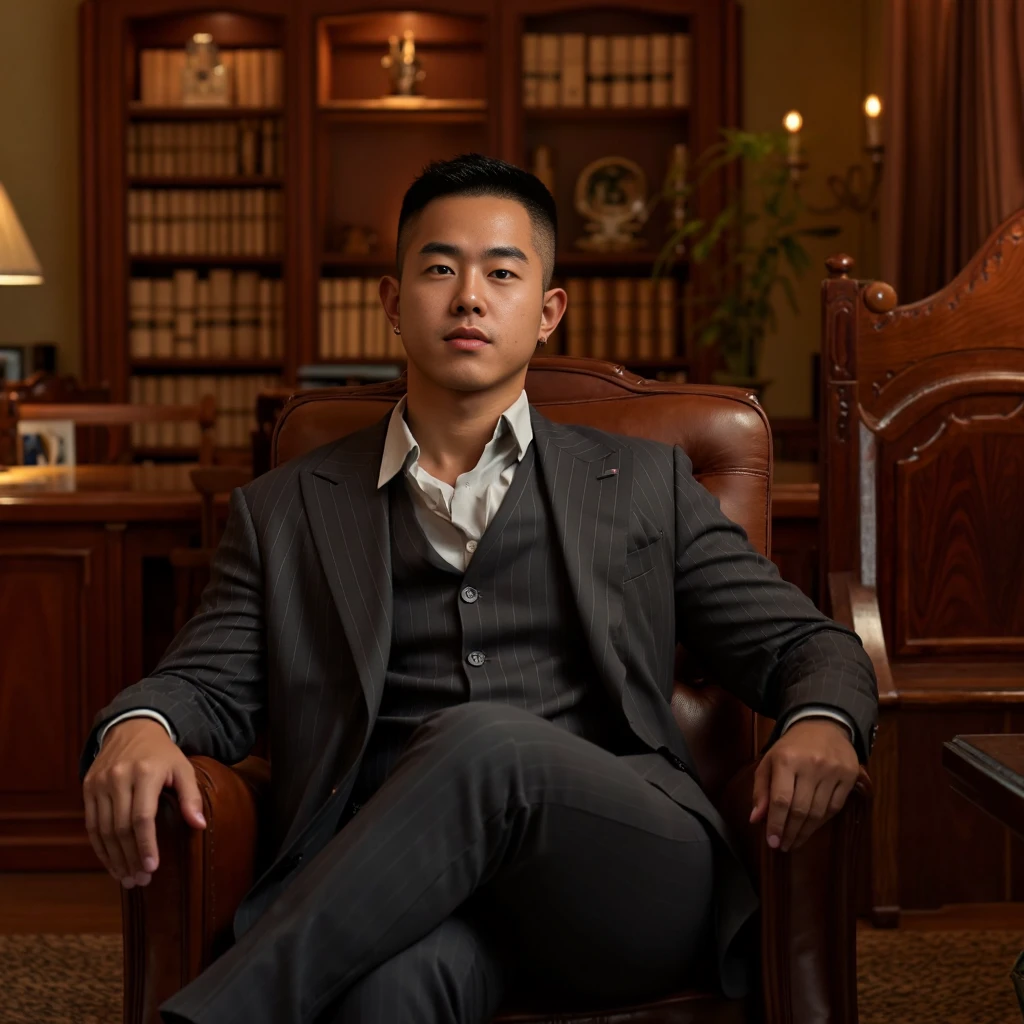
{"points": [[590, 507], [348, 517]]}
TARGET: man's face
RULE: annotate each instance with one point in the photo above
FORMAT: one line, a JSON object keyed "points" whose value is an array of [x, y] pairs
{"points": [[471, 263]]}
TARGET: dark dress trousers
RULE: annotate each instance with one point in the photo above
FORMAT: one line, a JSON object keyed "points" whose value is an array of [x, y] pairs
{"points": [[332, 620]]}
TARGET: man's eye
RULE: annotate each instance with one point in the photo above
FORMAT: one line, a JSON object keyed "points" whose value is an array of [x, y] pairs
{"points": [[503, 271], [438, 266]]}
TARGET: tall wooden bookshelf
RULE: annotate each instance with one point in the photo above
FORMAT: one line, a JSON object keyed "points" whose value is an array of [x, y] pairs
{"points": [[338, 164]]}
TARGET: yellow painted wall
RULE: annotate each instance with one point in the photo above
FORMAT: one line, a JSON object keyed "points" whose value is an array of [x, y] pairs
{"points": [[39, 168], [821, 57]]}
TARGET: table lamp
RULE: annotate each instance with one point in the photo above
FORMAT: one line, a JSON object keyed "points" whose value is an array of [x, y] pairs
{"points": [[18, 261]]}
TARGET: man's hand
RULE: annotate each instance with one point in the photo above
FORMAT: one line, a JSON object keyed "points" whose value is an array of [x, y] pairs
{"points": [[803, 780], [122, 788]]}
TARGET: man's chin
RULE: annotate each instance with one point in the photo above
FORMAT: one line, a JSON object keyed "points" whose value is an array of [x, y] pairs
{"points": [[456, 372]]}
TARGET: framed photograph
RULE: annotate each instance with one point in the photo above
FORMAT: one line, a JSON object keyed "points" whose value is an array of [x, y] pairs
{"points": [[46, 442], [12, 362]]}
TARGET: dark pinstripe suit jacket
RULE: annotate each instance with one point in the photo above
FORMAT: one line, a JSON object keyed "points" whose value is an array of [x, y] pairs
{"points": [[297, 619]]}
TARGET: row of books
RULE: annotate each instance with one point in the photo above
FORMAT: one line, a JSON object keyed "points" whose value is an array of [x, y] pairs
{"points": [[199, 222], [236, 408], [255, 77], [353, 324], [621, 318], [226, 315], [575, 70], [181, 148]]}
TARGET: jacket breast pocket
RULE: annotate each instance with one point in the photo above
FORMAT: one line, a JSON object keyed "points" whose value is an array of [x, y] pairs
{"points": [[642, 548]]}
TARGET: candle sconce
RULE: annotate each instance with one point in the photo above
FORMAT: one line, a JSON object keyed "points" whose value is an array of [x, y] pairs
{"points": [[854, 190]]}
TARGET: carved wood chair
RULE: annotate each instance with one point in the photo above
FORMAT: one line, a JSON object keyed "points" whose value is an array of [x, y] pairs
{"points": [[922, 539]]}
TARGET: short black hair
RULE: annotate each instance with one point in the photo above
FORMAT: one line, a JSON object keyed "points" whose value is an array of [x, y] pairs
{"points": [[475, 175]]}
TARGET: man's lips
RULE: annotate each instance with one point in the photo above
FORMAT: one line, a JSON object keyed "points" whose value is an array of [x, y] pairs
{"points": [[467, 338]]}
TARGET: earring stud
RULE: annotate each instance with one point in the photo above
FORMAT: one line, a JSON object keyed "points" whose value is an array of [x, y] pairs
{"points": [[397, 329]]}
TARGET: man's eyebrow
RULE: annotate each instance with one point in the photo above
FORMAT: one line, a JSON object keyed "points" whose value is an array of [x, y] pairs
{"points": [[508, 252]]}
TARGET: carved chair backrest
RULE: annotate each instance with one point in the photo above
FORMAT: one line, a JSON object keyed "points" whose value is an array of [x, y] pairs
{"points": [[923, 453]]}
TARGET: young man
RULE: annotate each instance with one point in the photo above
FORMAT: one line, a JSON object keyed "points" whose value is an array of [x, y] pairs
{"points": [[458, 627]]}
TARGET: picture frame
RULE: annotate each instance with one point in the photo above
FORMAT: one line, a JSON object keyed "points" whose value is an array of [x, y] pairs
{"points": [[46, 443], [12, 362]]}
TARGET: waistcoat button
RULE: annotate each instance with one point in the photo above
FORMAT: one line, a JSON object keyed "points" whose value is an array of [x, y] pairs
{"points": [[469, 595], [476, 658]]}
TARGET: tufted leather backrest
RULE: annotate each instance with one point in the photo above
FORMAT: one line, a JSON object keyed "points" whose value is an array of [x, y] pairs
{"points": [[723, 430]]}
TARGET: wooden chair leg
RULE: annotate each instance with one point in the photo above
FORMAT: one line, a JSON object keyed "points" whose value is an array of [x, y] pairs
{"points": [[885, 898]]}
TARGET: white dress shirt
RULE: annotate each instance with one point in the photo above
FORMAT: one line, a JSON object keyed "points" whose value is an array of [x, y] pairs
{"points": [[455, 518]]}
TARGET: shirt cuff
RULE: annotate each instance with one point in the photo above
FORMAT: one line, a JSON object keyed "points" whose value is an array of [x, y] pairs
{"points": [[820, 711], [140, 713]]}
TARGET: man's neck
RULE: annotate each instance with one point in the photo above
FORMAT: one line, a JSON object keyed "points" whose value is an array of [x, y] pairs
{"points": [[452, 428]]}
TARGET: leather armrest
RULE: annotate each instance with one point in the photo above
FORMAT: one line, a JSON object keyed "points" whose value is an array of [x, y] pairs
{"points": [[856, 607], [808, 907], [183, 919]]}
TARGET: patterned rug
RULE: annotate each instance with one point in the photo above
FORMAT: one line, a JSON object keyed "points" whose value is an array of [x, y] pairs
{"points": [[906, 977]]}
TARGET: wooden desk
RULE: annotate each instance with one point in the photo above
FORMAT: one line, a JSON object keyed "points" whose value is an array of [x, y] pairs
{"points": [[86, 607]]}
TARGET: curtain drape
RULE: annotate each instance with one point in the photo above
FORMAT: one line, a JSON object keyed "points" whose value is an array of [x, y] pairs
{"points": [[955, 142]]}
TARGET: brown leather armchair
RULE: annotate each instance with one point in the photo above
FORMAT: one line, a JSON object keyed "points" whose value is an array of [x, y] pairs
{"points": [[182, 920]]}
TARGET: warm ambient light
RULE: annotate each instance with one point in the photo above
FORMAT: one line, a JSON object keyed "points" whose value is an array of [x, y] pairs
{"points": [[793, 122], [873, 111], [18, 261]]}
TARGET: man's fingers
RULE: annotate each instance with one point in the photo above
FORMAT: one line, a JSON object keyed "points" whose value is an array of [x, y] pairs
{"points": [[144, 805], [105, 821], [799, 808], [189, 799], [818, 814], [783, 782], [93, 830], [762, 787], [123, 798]]}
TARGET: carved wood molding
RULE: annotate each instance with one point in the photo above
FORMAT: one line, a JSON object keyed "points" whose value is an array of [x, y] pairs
{"points": [[929, 383], [984, 267]]}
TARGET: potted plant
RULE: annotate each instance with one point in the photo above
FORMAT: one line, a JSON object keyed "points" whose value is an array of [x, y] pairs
{"points": [[752, 247]]}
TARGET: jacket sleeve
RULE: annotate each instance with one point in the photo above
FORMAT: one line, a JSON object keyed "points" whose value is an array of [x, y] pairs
{"points": [[758, 636], [211, 683]]}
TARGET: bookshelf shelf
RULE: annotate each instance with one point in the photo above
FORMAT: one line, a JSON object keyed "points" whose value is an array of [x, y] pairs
{"points": [[401, 104], [204, 181], [605, 113], [148, 112], [195, 260], [403, 117], [153, 365]]}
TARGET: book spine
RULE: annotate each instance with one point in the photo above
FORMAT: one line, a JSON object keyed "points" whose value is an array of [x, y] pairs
{"points": [[680, 69], [597, 71], [531, 69], [623, 318], [140, 338], [574, 84], [666, 318], [598, 317], [640, 71], [550, 74], [620, 78]]}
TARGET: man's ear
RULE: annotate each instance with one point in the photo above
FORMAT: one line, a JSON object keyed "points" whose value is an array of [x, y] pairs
{"points": [[388, 290]]}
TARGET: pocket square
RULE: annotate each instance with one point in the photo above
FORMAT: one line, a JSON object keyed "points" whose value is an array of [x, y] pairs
{"points": [[607, 473]]}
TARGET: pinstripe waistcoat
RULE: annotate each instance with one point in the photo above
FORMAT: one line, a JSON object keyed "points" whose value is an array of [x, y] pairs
{"points": [[506, 630]]}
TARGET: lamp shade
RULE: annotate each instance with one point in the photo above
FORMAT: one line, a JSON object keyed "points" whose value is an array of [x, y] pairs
{"points": [[18, 261]]}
